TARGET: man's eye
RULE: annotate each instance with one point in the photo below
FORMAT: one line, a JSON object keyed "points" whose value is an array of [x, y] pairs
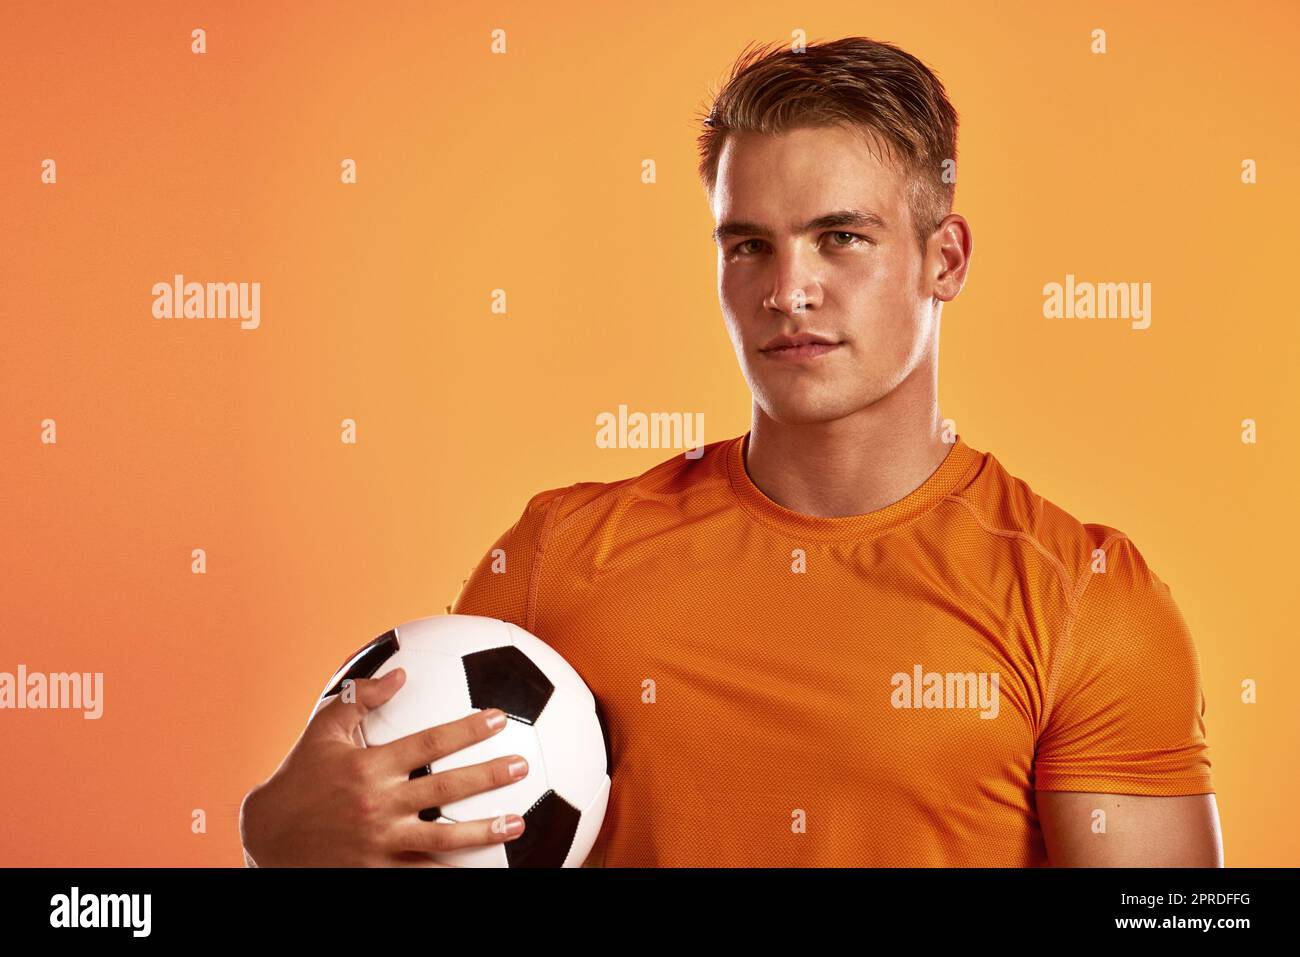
{"points": [[851, 237], [842, 240]]}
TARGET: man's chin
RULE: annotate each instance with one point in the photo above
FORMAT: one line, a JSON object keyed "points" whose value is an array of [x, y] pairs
{"points": [[786, 411], [814, 403]]}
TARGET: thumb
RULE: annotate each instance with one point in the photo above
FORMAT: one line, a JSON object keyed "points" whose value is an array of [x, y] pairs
{"points": [[358, 698]]}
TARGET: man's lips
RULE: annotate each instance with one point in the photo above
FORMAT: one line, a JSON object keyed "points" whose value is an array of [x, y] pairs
{"points": [[801, 352], [805, 338]]}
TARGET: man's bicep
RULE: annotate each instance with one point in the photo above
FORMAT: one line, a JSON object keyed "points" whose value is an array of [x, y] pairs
{"points": [[1088, 829], [1127, 707]]}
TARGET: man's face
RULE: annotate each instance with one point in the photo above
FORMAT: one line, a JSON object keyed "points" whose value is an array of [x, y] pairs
{"points": [[780, 272]]}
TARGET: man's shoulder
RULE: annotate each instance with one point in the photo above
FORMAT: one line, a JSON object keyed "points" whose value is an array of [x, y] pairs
{"points": [[576, 527], [1010, 507], [668, 482]]}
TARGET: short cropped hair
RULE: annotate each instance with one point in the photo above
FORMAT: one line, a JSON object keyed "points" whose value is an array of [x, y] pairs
{"points": [[854, 82]]}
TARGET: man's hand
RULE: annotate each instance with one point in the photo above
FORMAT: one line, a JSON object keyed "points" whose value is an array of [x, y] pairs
{"points": [[332, 803], [1139, 831]]}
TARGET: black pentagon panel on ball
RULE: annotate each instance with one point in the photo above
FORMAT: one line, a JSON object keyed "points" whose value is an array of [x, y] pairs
{"points": [[506, 678], [429, 813], [368, 660], [549, 828]]}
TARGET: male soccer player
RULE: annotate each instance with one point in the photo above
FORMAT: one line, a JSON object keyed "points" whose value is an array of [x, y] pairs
{"points": [[845, 637]]}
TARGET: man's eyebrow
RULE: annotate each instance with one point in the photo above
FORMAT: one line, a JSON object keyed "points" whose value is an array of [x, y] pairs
{"points": [[855, 218]]}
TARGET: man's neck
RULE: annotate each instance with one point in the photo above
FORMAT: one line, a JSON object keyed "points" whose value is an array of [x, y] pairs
{"points": [[849, 466]]}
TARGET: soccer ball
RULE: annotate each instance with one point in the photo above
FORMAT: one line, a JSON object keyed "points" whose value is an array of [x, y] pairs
{"points": [[457, 664]]}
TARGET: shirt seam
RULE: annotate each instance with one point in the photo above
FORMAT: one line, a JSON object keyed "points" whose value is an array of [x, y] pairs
{"points": [[1195, 776], [1062, 577], [1062, 574], [1066, 638], [539, 549]]}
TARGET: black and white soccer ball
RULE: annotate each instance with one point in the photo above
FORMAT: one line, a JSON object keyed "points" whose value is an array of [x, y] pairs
{"points": [[457, 664]]}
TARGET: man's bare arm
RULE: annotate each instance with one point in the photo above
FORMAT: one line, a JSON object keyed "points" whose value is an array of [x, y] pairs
{"points": [[1130, 830]]}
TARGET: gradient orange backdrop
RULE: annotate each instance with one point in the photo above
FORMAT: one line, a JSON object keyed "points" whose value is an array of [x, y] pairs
{"points": [[522, 172]]}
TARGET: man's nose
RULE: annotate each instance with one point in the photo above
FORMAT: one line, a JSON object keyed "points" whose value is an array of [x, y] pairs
{"points": [[794, 283]]}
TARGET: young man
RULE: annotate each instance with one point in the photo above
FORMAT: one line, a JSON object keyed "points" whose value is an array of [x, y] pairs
{"points": [[845, 637], [742, 617]]}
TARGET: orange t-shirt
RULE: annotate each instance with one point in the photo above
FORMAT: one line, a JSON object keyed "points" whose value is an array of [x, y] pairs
{"points": [[886, 689]]}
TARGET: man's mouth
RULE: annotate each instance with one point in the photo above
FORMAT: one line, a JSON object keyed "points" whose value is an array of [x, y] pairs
{"points": [[801, 352]]}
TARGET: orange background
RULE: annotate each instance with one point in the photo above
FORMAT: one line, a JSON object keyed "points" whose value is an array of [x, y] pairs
{"points": [[522, 172]]}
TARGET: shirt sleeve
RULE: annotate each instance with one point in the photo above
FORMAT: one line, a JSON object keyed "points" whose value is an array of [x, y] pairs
{"points": [[1125, 705], [502, 585]]}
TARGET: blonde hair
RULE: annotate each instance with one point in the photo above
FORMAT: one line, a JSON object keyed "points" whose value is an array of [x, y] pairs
{"points": [[874, 87]]}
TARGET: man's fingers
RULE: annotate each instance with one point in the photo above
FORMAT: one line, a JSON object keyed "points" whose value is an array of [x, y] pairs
{"points": [[430, 837], [429, 744], [436, 790]]}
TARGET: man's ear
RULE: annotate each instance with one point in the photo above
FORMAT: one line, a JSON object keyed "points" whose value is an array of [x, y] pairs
{"points": [[948, 255]]}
